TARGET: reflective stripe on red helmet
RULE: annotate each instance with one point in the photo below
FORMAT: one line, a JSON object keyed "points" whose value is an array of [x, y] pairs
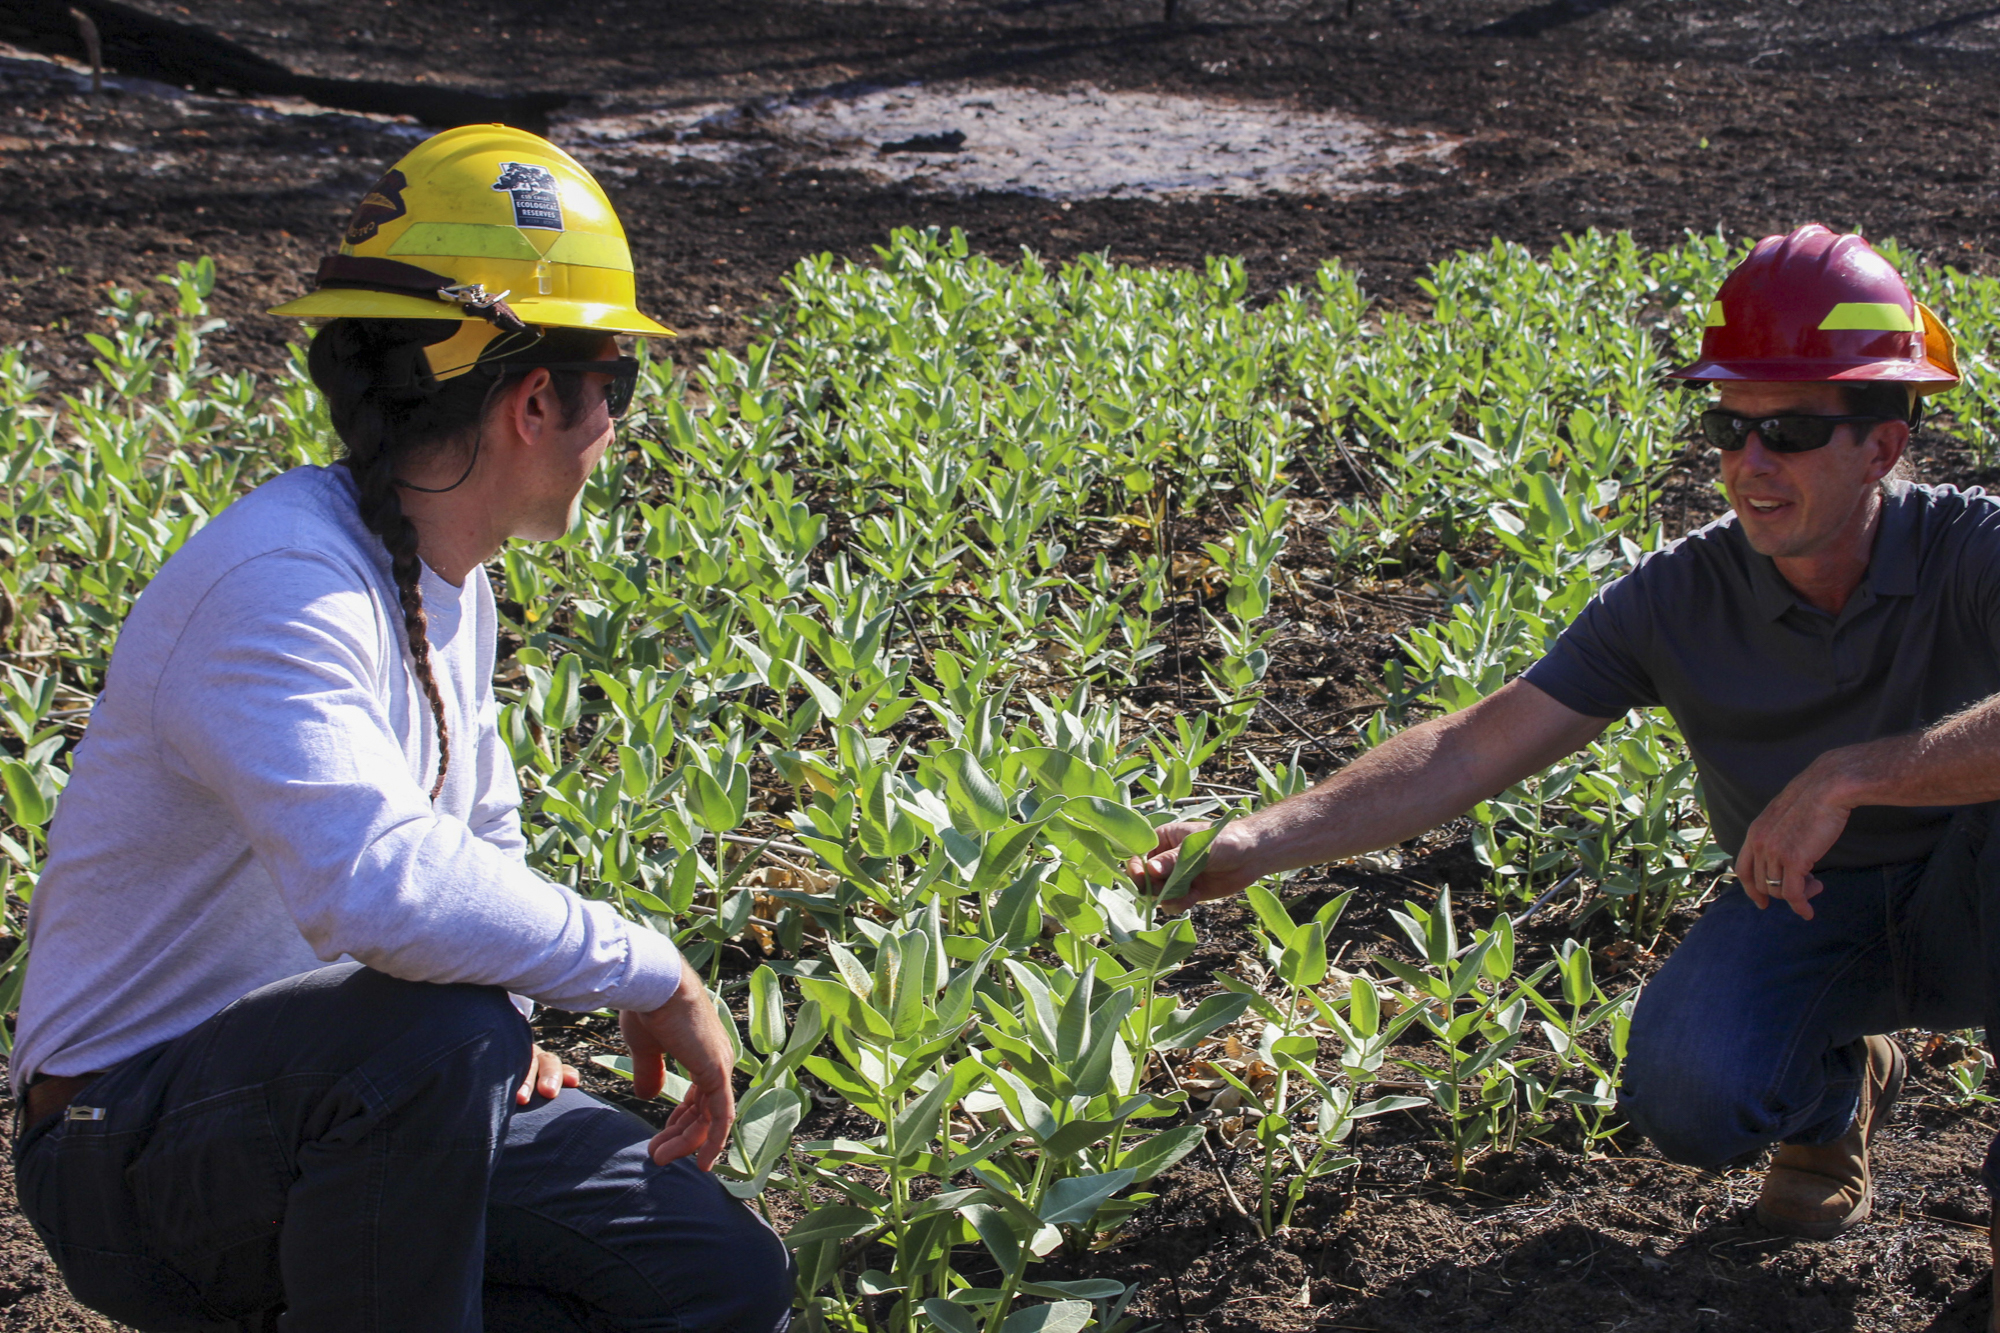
{"points": [[1819, 306]]}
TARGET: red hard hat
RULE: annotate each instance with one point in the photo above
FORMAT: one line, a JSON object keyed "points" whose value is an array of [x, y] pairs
{"points": [[1815, 306]]}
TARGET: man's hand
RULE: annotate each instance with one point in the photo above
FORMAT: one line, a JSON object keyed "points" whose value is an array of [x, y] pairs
{"points": [[1785, 842], [547, 1076], [1229, 867], [686, 1028]]}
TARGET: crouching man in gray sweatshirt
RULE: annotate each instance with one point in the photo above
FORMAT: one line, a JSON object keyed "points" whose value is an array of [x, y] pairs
{"points": [[295, 763]]}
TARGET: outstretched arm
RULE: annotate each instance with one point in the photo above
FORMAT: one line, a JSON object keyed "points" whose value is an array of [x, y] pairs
{"points": [[1956, 762], [1412, 782]]}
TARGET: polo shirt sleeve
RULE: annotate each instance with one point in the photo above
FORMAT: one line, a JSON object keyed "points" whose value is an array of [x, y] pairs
{"points": [[1975, 578], [1597, 666]]}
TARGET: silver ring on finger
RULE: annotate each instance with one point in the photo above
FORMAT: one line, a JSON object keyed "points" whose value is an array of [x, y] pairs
{"points": [[1775, 883]]}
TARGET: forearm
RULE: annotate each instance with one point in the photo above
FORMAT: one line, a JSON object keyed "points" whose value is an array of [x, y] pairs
{"points": [[1417, 780], [1411, 783], [1956, 762]]}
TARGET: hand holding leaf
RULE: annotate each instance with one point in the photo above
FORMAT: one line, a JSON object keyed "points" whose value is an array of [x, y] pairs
{"points": [[1194, 862]]}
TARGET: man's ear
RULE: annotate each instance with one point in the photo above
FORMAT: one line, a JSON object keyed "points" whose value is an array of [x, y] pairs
{"points": [[1888, 441]]}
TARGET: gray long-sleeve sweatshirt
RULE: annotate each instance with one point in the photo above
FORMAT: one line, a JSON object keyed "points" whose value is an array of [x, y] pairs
{"points": [[251, 801]]}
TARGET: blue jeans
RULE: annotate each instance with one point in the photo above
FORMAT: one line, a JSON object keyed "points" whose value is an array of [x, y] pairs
{"points": [[1749, 1034], [347, 1146]]}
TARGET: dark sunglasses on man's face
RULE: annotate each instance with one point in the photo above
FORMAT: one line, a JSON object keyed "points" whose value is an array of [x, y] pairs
{"points": [[623, 370], [1783, 433]]}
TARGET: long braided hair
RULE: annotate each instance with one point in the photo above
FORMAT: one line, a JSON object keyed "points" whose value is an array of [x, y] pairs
{"points": [[388, 411]]}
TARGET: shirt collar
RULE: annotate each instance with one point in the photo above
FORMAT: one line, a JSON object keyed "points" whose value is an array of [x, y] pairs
{"points": [[1892, 566]]}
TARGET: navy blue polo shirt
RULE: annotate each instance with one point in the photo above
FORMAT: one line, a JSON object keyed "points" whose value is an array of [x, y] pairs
{"points": [[1762, 683]]}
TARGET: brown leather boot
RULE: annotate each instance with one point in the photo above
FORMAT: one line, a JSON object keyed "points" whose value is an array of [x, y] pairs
{"points": [[1819, 1191]]}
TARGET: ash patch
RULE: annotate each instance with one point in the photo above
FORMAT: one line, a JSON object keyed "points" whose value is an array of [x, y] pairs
{"points": [[1078, 142]]}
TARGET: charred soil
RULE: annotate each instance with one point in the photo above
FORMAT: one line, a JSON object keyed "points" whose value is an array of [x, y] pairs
{"points": [[1653, 115]]}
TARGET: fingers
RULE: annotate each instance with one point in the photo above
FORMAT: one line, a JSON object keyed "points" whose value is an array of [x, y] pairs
{"points": [[679, 1137], [697, 1128], [1799, 889], [547, 1076], [1752, 879], [1795, 893], [1765, 880], [1151, 870], [649, 1061]]}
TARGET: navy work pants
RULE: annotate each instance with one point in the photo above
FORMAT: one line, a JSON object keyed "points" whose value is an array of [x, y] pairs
{"points": [[1748, 1034], [347, 1146]]}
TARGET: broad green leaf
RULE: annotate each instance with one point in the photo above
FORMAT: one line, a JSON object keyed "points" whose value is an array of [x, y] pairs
{"points": [[1061, 1317], [917, 1123], [1073, 1200], [833, 1221], [908, 1009], [1077, 1135], [1065, 774], [1073, 1025], [763, 1131], [1271, 913], [950, 1318], [1154, 1155], [1384, 1105], [1303, 963], [1184, 1027], [996, 1232], [710, 802], [1003, 851], [767, 1012], [973, 796], [1125, 827], [1092, 1072], [1364, 1006], [26, 805], [1082, 1289], [851, 971], [1038, 1008], [1029, 1112]]}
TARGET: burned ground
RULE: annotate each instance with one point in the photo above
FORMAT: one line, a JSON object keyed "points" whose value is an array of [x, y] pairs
{"points": [[1653, 115]]}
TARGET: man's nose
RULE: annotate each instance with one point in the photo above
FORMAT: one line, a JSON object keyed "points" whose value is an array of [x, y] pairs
{"points": [[1757, 457]]}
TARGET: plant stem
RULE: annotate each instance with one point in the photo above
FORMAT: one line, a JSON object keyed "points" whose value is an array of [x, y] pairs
{"points": [[715, 958], [1013, 1282]]}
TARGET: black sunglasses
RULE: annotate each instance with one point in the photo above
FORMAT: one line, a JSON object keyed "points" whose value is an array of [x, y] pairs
{"points": [[1784, 433], [623, 370]]}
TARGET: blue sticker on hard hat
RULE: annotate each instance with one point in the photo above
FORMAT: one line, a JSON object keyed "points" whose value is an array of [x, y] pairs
{"points": [[383, 203], [536, 203]]}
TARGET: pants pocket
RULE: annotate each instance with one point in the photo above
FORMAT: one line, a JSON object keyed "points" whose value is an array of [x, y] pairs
{"points": [[132, 1289], [72, 1190], [209, 1190]]}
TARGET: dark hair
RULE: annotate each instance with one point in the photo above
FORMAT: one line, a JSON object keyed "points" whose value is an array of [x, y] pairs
{"points": [[387, 410], [1889, 400]]}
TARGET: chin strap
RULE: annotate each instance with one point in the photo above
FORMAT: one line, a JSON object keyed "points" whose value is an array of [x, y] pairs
{"points": [[398, 278]]}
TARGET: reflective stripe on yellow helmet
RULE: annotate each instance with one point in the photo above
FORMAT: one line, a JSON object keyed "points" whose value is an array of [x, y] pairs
{"points": [[503, 214]]}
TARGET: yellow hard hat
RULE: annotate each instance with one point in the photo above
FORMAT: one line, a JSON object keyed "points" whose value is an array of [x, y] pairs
{"points": [[486, 224]]}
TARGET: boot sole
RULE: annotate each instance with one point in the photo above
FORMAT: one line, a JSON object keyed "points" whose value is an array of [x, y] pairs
{"points": [[1817, 1230], [1892, 1088]]}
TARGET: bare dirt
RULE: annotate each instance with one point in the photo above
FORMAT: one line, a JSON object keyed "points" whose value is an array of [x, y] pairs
{"points": [[1655, 115]]}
